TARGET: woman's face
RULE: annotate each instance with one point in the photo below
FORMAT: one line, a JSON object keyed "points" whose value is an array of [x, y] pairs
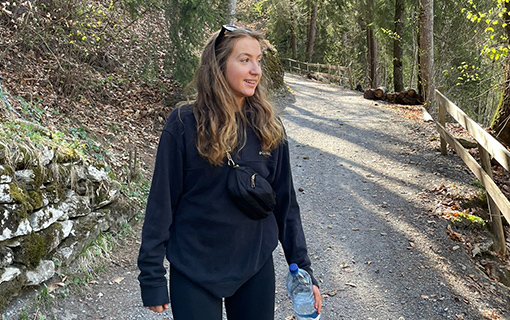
{"points": [[243, 70]]}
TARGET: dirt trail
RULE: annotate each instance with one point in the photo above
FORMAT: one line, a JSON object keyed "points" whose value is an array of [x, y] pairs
{"points": [[363, 176]]}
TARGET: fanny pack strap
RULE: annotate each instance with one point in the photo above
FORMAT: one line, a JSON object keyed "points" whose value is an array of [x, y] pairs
{"points": [[230, 160]]}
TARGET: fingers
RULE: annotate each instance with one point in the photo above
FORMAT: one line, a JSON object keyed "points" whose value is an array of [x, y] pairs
{"points": [[318, 299], [159, 309]]}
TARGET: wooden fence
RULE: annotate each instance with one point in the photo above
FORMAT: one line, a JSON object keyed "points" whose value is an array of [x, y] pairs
{"points": [[489, 148], [336, 73]]}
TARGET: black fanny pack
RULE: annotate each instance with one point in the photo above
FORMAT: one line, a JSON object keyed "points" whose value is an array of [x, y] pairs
{"points": [[249, 191]]}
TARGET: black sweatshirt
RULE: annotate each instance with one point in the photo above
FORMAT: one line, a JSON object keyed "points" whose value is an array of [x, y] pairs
{"points": [[190, 217]]}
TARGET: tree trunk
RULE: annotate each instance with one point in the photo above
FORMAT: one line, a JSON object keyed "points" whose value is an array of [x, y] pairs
{"points": [[398, 75], [372, 56], [232, 12], [293, 29], [427, 49], [501, 121], [312, 30]]}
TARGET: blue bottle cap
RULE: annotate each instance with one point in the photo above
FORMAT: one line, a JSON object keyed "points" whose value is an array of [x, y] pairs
{"points": [[293, 268]]}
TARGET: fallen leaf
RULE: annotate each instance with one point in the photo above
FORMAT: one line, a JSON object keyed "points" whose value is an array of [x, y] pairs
{"points": [[52, 288], [476, 250], [118, 280], [330, 293], [351, 284]]}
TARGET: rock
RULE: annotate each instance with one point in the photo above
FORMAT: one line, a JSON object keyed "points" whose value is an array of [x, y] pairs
{"points": [[5, 174], [47, 155], [272, 69], [27, 177], [9, 274], [97, 175], [67, 228], [111, 196], [5, 194], [75, 205], [65, 253], [6, 257], [78, 173], [43, 272], [43, 218], [11, 225], [467, 143]]}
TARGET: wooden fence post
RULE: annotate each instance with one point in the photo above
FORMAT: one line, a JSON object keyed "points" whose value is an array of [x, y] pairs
{"points": [[339, 75], [495, 214], [351, 84], [442, 120]]}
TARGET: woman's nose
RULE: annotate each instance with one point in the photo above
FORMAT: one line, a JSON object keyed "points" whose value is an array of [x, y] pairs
{"points": [[256, 69]]}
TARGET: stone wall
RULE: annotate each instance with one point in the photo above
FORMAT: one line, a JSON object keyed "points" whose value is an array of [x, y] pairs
{"points": [[53, 204]]}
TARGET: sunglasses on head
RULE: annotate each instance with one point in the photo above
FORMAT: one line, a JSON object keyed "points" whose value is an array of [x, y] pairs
{"points": [[220, 36], [224, 29]]}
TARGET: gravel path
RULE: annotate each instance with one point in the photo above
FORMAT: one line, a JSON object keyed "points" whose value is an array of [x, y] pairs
{"points": [[362, 174]]}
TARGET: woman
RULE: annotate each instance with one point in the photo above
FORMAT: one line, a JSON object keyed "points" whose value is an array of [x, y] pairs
{"points": [[215, 250]]}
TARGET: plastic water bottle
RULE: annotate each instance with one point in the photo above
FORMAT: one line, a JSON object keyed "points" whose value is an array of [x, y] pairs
{"points": [[300, 290]]}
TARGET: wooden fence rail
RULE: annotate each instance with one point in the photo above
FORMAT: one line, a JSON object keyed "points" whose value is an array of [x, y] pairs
{"points": [[331, 72], [488, 147]]}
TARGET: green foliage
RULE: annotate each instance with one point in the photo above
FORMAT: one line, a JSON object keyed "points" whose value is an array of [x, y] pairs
{"points": [[473, 219], [189, 22], [493, 21], [22, 316]]}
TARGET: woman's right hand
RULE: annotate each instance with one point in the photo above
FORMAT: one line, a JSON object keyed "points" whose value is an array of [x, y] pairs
{"points": [[159, 309]]}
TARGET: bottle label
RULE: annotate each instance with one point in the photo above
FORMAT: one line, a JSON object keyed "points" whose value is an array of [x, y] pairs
{"points": [[313, 316]]}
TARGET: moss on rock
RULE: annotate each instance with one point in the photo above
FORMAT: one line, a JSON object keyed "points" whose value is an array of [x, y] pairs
{"points": [[55, 192], [19, 193], [7, 170], [66, 155], [35, 199], [10, 290], [2, 153], [31, 251], [273, 70]]}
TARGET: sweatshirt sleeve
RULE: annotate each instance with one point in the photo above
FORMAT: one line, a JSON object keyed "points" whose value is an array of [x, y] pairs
{"points": [[166, 188], [290, 229]]}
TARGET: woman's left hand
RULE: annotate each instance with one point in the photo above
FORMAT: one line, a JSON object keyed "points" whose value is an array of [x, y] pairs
{"points": [[318, 299]]}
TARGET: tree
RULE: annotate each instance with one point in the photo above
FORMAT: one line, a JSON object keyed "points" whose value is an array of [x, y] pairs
{"points": [[231, 12], [501, 120], [188, 22], [398, 75], [426, 45], [372, 47], [312, 29], [493, 22]]}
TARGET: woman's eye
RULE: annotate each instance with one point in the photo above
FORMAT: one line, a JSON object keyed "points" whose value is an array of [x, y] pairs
{"points": [[245, 60]]}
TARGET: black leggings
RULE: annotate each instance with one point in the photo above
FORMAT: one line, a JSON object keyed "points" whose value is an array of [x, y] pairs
{"points": [[254, 300]]}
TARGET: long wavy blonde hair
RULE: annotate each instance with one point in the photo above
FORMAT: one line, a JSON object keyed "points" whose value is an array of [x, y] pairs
{"points": [[221, 126]]}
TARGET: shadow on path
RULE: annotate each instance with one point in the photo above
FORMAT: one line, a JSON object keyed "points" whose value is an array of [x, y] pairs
{"points": [[364, 173]]}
